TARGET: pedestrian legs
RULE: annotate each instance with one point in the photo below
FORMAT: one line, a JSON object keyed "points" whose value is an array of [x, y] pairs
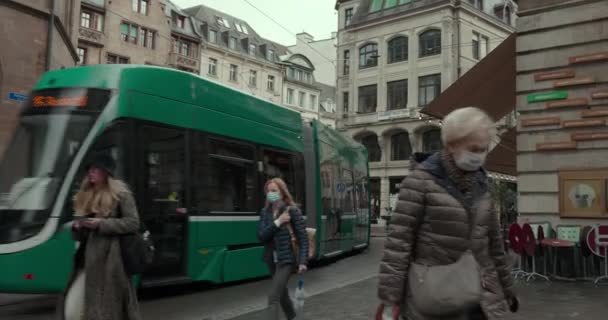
{"points": [[279, 295]]}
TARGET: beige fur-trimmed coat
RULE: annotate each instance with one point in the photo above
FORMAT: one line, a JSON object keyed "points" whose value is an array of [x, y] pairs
{"points": [[109, 293]]}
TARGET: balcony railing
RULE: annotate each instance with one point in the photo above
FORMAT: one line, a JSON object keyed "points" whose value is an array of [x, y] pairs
{"points": [[179, 60], [91, 35]]}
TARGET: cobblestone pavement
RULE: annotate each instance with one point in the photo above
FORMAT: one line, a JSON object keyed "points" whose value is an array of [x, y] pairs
{"points": [[555, 301]]}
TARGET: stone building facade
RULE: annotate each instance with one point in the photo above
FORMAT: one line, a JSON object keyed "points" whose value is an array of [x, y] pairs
{"points": [[25, 57], [394, 58], [562, 91]]}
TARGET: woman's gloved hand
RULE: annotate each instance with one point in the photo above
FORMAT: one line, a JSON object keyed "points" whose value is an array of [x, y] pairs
{"points": [[513, 302], [387, 312]]}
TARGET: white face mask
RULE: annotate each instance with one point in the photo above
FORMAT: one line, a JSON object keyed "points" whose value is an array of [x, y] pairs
{"points": [[471, 161]]}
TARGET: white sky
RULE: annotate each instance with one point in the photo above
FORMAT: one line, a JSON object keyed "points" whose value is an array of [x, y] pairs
{"points": [[316, 17]]}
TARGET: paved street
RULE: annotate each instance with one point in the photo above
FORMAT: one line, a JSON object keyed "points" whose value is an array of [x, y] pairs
{"points": [[198, 302], [342, 290], [555, 301]]}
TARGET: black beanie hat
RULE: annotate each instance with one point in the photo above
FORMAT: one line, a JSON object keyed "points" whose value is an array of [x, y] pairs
{"points": [[103, 162]]}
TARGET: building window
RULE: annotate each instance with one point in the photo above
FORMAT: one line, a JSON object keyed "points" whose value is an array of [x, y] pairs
{"points": [[348, 17], [116, 59], [397, 94], [290, 96], [222, 22], [141, 6], [368, 98], [485, 46], [270, 85], [146, 38], [253, 78], [507, 19], [313, 102], [85, 19], [401, 148], [212, 36], [397, 50], [302, 99], [184, 47], [429, 88], [375, 6], [252, 49], [430, 43], [212, 67], [431, 140], [82, 55], [179, 20], [232, 43], [373, 147], [475, 46], [299, 75], [368, 56], [477, 4], [270, 55], [345, 98], [91, 20], [233, 72], [346, 62]]}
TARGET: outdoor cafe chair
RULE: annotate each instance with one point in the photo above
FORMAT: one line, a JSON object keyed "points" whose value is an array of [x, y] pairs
{"points": [[531, 246]]}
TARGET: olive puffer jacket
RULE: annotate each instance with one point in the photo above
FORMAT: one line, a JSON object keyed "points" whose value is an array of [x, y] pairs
{"points": [[430, 195]]}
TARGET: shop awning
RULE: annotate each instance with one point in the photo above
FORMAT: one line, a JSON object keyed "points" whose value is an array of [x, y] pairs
{"points": [[503, 158], [489, 85]]}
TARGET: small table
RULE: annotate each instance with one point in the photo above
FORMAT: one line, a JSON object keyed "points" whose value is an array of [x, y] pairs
{"points": [[556, 244]]}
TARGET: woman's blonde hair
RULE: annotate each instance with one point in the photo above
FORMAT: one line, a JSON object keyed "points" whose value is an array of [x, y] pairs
{"points": [[283, 188], [101, 200]]}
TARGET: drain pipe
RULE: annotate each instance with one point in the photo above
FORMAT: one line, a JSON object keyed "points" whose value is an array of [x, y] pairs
{"points": [[49, 42]]}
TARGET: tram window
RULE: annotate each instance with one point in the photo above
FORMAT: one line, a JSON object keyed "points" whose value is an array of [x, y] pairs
{"points": [[231, 178], [288, 167], [164, 159]]}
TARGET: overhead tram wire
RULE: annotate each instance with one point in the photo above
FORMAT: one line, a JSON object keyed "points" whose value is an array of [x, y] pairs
{"points": [[288, 31]]}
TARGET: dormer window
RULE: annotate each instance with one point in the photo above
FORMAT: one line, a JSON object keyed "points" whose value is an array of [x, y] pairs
{"points": [[232, 43], [179, 20], [222, 22], [270, 55]]}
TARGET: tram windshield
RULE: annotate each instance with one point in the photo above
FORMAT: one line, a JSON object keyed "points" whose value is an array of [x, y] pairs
{"points": [[51, 129]]}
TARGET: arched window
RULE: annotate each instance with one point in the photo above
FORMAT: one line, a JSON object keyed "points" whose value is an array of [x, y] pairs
{"points": [[431, 140], [401, 148], [430, 43], [368, 56], [397, 50], [373, 147]]}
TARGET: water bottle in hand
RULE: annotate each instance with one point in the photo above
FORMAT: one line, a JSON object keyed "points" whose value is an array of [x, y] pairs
{"points": [[299, 295]]}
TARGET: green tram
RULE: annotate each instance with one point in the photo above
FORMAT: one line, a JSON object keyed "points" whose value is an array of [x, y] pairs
{"points": [[196, 154]]}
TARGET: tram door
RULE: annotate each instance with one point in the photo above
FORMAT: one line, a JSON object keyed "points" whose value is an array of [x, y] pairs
{"points": [[162, 195]]}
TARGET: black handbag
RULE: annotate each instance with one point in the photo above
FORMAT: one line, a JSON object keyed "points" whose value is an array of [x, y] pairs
{"points": [[137, 250]]}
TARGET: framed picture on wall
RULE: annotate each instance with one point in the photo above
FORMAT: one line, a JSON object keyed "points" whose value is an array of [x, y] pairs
{"points": [[582, 193]]}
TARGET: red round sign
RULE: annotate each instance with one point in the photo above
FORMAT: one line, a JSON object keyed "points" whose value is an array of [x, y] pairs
{"points": [[527, 239], [515, 238], [597, 240]]}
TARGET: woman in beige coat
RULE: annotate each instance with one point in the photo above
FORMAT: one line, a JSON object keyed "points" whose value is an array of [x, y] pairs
{"points": [[444, 209], [100, 289]]}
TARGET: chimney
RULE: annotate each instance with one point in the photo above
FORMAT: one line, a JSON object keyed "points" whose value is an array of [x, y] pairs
{"points": [[334, 35], [304, 37]]}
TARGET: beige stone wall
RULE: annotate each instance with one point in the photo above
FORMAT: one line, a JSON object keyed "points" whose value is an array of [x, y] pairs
{"points": [[244, 64], [546, 41]]}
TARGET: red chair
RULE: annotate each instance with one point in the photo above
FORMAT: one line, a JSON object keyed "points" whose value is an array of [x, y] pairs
{"points": [[515, 233], [530, 245]]}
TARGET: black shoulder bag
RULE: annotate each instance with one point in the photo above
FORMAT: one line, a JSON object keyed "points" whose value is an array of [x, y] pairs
{"points": [[137, 249]]}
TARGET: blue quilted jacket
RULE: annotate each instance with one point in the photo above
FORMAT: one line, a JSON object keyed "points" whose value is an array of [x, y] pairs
{"points": [[278, 239]]}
